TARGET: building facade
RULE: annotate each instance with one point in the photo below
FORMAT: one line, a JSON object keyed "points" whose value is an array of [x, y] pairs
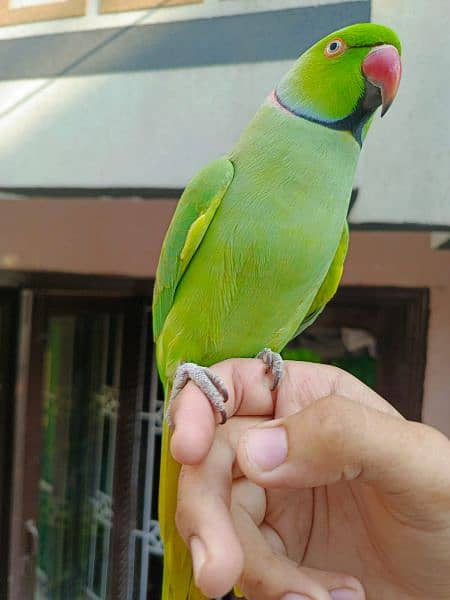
{"points": [[107, 109]]}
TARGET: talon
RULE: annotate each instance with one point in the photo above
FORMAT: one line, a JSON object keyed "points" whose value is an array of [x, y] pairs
{"points": [[207, 381], [273, 363], [276, 380], [218, 383]]}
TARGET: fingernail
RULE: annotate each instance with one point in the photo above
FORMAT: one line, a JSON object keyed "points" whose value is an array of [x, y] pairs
{"points": [[295, 597], [343, 594], [198, 553], [267, 448]]}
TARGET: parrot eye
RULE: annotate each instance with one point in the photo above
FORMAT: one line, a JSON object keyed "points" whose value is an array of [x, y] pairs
{"points": [[335, 48]]}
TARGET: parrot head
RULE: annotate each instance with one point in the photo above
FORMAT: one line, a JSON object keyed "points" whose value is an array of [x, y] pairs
{"points": [[344, 78]]}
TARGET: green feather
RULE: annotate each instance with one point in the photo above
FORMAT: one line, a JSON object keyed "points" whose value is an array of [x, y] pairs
{"points": [[257, 243], [329, 89], [329, 285], [194, 213]]}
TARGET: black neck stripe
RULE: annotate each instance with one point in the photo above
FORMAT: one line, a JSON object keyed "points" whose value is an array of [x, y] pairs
{"points": [[353, 123]]}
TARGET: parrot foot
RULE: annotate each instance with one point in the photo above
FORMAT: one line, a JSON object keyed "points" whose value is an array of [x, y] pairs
{"points": [[206, 380], [274, 364]]}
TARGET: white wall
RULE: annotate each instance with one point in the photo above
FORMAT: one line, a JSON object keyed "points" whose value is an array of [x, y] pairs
{"points": [[406, 165], [156, 128], [147, 129]]}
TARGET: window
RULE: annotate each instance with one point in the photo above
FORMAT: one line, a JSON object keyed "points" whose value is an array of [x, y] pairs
{"points": [[107, 6], [377, 333], [146, 550], [76, 486], [14, 12], [79, 433]]}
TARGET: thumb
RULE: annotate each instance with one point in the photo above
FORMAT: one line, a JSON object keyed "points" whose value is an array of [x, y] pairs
{"points": [[336, 439]]}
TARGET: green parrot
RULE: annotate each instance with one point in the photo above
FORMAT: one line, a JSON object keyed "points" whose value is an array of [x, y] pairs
{"points": [[257, 243]]}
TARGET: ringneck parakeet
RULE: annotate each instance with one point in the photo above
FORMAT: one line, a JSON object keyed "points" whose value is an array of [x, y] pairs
{"points": [[257, 243]]}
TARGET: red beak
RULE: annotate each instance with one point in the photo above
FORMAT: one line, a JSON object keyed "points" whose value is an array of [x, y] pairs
{"points": [[383, 68]]}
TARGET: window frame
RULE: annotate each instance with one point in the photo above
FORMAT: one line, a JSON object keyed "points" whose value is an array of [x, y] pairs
{"points": [[41, 12], [398, 318], [112, 6], [8, 344], [36, 309]]}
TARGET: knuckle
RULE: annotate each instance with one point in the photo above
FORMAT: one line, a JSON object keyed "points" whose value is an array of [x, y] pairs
{"points": [[184, 517], [429, 435], [341, 425], [181, 520], [184, 522], [340, 378], [255, 579], [332, 422]]}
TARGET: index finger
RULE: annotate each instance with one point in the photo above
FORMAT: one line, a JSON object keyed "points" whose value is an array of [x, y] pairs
{"points": [[194, 421]]}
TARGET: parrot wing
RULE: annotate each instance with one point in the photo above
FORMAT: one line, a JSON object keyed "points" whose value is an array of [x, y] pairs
{"points": [[194, 213], [329, 285]]}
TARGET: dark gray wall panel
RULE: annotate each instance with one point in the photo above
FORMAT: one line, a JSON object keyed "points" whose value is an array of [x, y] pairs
{"points": [[254, 37]]}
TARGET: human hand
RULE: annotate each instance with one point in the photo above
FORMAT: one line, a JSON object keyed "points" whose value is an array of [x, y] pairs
{"points": [[362, 495]]}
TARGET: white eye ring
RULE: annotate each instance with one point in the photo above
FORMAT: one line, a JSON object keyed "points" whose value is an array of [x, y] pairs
{"points": [[335, 47]]}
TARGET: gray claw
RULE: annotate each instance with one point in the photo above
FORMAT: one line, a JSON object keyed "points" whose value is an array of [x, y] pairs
{"points": [[274, 364], [207, 381]]}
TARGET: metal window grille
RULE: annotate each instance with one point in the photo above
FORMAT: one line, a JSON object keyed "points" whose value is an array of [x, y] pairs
{"points": [[101, 500], [145, 542], [78, 458]]}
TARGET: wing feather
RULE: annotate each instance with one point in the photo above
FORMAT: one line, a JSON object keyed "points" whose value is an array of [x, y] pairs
{"points": [[329, 285], [195, 211]]}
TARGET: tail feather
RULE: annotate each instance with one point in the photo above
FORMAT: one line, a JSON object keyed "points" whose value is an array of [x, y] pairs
{"points": [[178, 581]]}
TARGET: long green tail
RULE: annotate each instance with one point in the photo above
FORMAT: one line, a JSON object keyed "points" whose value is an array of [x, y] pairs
{"points": [[178, 581]]}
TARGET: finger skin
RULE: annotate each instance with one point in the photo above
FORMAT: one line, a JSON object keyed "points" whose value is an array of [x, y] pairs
{"points": [[206, 517], [268, 574], [203, 511], [337, 439], [194, 420], [250, 394], [194, 424]]}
